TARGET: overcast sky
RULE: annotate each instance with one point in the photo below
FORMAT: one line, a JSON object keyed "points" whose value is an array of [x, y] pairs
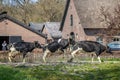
{"points": [[34, 0], [12, 2]]}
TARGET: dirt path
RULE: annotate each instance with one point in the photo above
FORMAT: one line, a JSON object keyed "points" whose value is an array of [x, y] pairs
{"points": [[19, 64]]}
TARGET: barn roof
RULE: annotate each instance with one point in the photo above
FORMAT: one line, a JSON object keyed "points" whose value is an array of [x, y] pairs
{"points": [[37, 26], [89, 11], [52, 28], [64, 14], [5, 16]]}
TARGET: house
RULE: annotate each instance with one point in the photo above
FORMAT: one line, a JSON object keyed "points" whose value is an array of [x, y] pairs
{"points": [[12, 30], [82, 18], [51, 29]]}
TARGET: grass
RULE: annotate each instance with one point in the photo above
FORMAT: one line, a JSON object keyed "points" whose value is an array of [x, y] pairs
{"points": [[82, 71]]}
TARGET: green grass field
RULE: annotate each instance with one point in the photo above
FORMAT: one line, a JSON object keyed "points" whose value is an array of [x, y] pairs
{"points": [[61, 71]]}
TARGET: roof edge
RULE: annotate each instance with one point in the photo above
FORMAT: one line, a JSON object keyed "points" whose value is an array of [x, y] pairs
{"points": [[6, 16], [64, 15]]}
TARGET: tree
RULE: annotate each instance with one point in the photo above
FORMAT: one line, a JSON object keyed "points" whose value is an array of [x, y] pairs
{"points": [[28, 11], [25, 10], [20, 9], [111, 21], [50, 10]]}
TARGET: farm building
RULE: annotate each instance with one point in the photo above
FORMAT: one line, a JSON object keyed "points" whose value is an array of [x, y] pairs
{"points": [[12, 30], [82, 18], [51, 29]]}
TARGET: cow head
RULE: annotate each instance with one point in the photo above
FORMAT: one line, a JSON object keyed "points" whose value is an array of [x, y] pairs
{"points": [[37, 44]]}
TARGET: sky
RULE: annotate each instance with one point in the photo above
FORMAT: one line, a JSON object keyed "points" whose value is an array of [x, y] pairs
{"points": [[34, 0], [6, 2]]}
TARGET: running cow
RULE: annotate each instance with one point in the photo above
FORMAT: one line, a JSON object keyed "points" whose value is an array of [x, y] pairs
{"points": [[23, 48], [61, 44], [88, 46]]}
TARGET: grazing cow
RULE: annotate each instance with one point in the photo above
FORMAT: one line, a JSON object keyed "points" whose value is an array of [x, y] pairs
{"points": [[52, 47], [22, 47], [88, 46]]}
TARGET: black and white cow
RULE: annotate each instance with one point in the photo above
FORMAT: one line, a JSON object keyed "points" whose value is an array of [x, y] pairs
{"points": [[22, 47], [52, 47], [88, 46]]}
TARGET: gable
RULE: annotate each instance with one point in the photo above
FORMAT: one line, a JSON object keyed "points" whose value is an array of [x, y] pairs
{"points": [[71, 22]]}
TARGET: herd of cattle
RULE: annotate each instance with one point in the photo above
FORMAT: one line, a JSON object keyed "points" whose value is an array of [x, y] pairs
{"points": [[61, 44]]}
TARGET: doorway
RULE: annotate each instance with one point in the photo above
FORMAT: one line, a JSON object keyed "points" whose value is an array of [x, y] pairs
{"points": [[9, 39], [3, 38]]}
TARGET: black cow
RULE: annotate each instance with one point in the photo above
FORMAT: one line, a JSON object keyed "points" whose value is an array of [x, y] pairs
{"points": [[52, 47], [88, 46], [22, 47]]}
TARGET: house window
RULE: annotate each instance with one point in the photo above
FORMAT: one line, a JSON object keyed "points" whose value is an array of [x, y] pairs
{"points": [[71, 20], [116, 39], [72, 36], [99, 39]]}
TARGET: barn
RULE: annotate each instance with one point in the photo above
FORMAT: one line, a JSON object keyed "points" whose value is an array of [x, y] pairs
{"points": [[82, 18], [12, 30]]}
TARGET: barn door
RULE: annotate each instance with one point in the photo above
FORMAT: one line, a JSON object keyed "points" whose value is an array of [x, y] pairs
{"points": [[72, 35], [2, 39], [13, 39]]}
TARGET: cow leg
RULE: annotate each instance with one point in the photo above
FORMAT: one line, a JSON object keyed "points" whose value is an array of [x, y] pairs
{"points": [[45, 54], [97, 54], [73, 54], [92, 57], [99, 59], [24, 55], [71, 48], [9, 56], [64, 53]]}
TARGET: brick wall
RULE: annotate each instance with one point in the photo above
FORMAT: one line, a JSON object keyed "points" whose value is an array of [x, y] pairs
{"points": [[9, 28], [77, 27]]}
